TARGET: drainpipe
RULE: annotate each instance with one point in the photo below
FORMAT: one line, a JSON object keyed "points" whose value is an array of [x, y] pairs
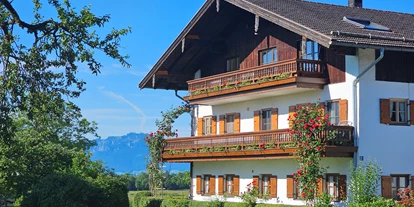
{"points": [[354, 93]]}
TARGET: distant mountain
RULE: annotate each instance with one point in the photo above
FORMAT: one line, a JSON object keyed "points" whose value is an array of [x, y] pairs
{"points": [[126, 154]]}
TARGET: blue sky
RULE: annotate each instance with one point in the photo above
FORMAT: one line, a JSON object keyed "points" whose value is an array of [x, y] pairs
{"points": [[112, 98]]}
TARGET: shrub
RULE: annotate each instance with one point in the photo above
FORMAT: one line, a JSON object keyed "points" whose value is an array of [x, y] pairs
{"points": [[365, 180], [380, 202], [407, 197], [150, 202], [175, 203], [137, 197], [323, 200]]}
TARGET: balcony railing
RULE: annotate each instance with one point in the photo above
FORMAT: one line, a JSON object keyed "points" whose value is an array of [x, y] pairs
{"points": [[250, 141], [270, 72]]}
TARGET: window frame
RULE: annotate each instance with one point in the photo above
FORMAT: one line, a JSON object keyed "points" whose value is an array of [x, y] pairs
{"points": [[205, 119], [336, 185], [226, 122], [273, 55], [262, 182], [406, 112], [407, 181], [237, 63], [312, 53], [262, 124], [225, 187], [328, 111], [204, 193]]}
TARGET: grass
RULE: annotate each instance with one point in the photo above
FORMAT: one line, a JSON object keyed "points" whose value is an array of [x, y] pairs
{"points": [[178, 194]]}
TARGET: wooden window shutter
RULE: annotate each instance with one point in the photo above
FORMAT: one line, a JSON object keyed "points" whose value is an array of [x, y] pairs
{"points": [[289, 184], [198, 185], [257, 121], [256, 181], [273, 186], [292, 110], [386, 182], [412, 182], [220, 184], [212, 185], [385, 117], [236, 185], [342, 187], [411, 112], [200, 127], [275, 115], [343, 110], [222, 124], [320, 186], [237, 123], [214, 125]]}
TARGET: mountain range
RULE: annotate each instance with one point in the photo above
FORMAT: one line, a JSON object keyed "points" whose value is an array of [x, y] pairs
{"points": [[127, 153]]}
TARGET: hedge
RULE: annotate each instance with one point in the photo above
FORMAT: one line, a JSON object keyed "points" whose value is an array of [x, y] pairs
{"points": [[137, 197], [175, 203], [150, 202]]}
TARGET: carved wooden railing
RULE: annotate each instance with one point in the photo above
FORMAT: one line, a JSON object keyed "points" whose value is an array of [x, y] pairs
{"points": [[294, 67], [244, 141]]}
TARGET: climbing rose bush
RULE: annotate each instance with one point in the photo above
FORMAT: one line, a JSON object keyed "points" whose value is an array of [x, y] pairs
{"points": [[309, 134], [407, 197], [156, 142]]}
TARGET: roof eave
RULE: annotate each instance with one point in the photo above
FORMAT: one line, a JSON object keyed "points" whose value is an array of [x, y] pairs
{"points": [[364, 45]]}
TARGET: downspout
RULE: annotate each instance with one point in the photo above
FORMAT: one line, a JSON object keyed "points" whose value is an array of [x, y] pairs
{"points": [[354, 93]]}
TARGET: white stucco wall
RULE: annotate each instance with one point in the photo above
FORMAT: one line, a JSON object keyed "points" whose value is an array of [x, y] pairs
{"points": [[247, 169], [391, 146]]}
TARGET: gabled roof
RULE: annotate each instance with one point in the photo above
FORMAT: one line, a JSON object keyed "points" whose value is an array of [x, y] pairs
{"points": [[320, 22]]}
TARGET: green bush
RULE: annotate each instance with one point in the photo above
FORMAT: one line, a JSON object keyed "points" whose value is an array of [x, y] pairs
{"points": [[137, 197], [381, 202], [175, 203], [150, 202], [198, 203]]}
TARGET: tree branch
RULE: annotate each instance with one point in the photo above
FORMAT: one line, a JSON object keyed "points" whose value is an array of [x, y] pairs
{"points": [[22, 24]]}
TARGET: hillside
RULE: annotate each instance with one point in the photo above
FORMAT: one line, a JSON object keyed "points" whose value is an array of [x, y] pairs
{"points": [[126, 154]]}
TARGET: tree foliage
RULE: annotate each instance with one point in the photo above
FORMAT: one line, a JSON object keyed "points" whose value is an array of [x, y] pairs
{"points": [[44, 69]]}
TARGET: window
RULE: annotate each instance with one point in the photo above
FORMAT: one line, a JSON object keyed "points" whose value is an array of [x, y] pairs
{"points": [[268, 56], [228, 184], [230, 123], [311, 52], [266, 120], [265, 190], [207, 128], [206, 184], [398, 109], [297, 191], [233, 64], [398, 182], [333, 112], [332, 185], [366, 24]]}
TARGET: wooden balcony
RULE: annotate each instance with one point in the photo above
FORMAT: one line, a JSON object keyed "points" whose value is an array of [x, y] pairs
{"points": [[297, 75], [251, 146]]}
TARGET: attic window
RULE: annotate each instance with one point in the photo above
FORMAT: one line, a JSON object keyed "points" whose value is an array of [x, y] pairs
{"points": [[366, 24]]}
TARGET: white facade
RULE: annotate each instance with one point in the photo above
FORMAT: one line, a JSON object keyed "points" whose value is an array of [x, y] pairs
{"points": [[390, 146]]}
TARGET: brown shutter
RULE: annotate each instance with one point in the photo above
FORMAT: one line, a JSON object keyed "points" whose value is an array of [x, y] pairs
{"points": [[385, 117], [214, 125], [200, 127], [256, 121], [412, 112], [220, 184], [222, 123], [237, 123], [342, 187], [256, 181], [289, 183], [274, 122], [273, 186], [412, 182], [212, 185], [236, 185], [292, 110], [319, 186], [198, 185], [343, 110], [386, 187]]}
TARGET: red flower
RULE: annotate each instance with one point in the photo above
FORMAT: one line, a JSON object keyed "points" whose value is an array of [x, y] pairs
{"points": [[303, 195], [295, 115], [318, 148], [329, 123], [238, 82]]}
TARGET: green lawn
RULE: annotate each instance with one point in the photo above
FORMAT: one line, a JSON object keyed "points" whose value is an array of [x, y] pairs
{"points": [[178, 194]]}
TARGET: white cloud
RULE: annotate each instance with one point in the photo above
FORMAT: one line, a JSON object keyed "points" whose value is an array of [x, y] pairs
{"points": [[143, 117]]}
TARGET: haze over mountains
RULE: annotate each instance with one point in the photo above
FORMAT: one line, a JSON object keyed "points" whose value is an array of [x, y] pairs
{"points": [[126, 154]]}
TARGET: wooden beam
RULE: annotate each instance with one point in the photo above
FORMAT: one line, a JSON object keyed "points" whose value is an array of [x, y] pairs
{"points": [[256, 24], [182, 45], [218, 5], [161, 72], [192, 36]]}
